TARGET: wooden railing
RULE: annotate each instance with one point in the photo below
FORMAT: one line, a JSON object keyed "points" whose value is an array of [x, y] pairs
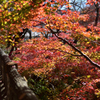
{"points": [[12, 85]]}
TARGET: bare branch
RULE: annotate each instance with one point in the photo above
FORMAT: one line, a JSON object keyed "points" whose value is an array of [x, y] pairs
{"points": [[76, 49]]}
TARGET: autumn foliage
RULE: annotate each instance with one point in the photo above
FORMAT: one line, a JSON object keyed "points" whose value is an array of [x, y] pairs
{"points": [[66, 66]]}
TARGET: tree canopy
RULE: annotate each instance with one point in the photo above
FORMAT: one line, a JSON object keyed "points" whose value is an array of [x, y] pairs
{"points": [[69, 60]]}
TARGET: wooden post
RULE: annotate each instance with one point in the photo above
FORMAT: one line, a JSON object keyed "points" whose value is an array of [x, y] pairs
{"points": [[16, 86]]}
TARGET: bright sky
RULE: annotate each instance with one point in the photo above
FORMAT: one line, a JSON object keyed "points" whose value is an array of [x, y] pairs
{"points": [[82, 2]]}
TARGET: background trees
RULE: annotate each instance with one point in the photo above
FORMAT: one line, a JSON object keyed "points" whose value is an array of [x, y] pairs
{"points": [[66, 65]]}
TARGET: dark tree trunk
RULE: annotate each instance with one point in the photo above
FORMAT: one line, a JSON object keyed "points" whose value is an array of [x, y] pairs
{"points": [[97, 14]]}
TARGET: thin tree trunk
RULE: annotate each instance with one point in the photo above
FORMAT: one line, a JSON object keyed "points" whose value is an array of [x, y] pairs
{"points": [[97, 14]]}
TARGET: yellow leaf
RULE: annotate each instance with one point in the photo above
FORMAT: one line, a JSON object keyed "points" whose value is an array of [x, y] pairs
{"points": [[88, 76], [88, 42], [5, 22], [9, 13], [13, 44], [10, 40], [47, 25], [6, 40]]}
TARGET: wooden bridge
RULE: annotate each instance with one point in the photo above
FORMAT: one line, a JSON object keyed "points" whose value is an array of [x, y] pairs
{"points": [[12, 85]]}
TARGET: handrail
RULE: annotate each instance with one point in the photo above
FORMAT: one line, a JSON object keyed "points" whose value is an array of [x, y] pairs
{"points": [[15, 85]]}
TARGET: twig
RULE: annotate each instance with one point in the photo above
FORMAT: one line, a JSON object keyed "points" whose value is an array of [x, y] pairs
{"points": [[65, 52]]}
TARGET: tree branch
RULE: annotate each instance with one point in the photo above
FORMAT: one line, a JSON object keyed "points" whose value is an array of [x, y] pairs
{"points": [[76, 49], [65, 52]]}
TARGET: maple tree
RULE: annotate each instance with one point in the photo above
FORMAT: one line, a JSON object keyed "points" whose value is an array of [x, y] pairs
{"points": [[69, 60], [14, 17]]}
